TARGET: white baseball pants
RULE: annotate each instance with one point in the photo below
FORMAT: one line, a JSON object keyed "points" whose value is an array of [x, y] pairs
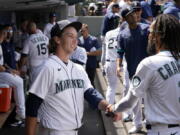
{"points": [[161, 130], [110, 69], [16, 82], [137, 111]]}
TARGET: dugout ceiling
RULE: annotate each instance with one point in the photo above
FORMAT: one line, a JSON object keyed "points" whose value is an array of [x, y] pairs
{"points": [[28, 4]]}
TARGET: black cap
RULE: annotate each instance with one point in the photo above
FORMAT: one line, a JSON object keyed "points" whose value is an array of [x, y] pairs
{"points": [[136, 5], [126, 11], [52, 15], [61, 25]]}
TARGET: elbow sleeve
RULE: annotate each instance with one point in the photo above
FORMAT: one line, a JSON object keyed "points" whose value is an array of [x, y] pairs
{"points": [[32, 105], [93, 97]]}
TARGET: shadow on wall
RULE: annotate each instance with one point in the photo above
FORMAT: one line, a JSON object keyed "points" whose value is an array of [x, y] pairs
{"points": [[94, 23]]}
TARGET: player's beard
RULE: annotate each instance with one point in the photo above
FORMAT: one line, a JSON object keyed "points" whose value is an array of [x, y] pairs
{"points": [[151, 48]]}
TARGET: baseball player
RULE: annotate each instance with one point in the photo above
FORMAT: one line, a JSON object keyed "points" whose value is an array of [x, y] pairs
{"points": [[157, 80], [109, 23], [35, 50], [133, 42], [48, 26], [57, 95], [91, 45], [7, 76], [110, 64], [79, 56]]}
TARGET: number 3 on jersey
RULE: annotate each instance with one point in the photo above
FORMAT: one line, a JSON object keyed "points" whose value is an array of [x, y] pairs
{"points": [[42, 50]]}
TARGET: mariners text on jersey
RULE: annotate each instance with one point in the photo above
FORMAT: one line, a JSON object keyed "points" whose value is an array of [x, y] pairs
{"points": [[38, 39], [169, 69], [66, 84]]}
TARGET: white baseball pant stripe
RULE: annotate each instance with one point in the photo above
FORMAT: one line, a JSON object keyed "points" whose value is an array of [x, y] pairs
{"points": [[126, 83], [16, 82]]}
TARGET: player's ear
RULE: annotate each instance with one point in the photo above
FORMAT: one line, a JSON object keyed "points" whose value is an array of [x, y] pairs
{"points": [[57, 40]]}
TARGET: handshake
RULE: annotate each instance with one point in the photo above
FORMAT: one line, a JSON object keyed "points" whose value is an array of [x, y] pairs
{"points": [[110, 112]]}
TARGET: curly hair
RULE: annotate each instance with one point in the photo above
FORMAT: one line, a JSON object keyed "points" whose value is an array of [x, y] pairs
{"points": [[168, 27], [52, 44]]}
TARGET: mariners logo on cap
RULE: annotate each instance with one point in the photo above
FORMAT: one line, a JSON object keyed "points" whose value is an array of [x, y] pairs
{"points": [[136, 81]]}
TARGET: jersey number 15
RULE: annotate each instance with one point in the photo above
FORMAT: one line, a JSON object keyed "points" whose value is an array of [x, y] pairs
{"points": [[42, 50]]}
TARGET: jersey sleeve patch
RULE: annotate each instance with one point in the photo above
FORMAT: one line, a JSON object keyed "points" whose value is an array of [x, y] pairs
{"points": [[136, 81]]}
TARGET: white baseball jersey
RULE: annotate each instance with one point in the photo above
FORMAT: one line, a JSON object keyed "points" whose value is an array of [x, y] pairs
{"points": [[111, 44], [36, 47], [47, 29], [62, 89], [157, 79], [79, 54], [1, 56]]}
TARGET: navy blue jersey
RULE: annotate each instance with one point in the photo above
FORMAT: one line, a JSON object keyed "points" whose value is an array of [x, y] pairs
{"points": [[154, 7], [133, 44], [9, 54], [90, 44]]}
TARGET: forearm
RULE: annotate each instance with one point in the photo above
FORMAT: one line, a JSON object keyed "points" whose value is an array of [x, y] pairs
{"points": [[94, 53], [2, 68], [126, 102], [31, 123], [103, 105], [118, 62], [23, 61], [33, 103]]}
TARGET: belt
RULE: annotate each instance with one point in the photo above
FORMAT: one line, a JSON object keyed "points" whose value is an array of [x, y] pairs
{"points": [[148, 126], [110, 60]]}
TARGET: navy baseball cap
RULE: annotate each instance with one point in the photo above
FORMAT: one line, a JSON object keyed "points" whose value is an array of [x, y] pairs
{"points": [[61, 25], [52, 15], [136, 5], [126, 11]]}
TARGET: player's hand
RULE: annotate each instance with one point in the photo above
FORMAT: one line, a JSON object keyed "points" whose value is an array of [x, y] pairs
{"points": [[88, 53], [116, 116], [15, 72], [2, 69], [103, 104], [22, 73]]}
